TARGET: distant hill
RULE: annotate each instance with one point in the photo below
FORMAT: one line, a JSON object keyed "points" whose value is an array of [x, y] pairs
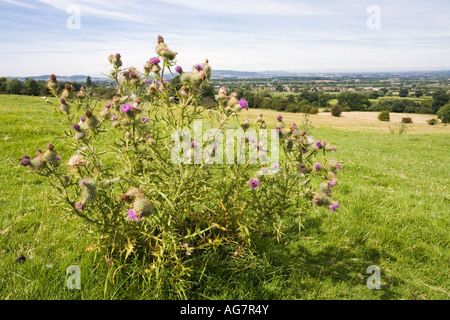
{"points": [[74, 78], [230, 74]]}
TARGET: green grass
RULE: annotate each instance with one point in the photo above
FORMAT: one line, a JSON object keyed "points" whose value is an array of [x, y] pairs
{"points": [[395, 214]]}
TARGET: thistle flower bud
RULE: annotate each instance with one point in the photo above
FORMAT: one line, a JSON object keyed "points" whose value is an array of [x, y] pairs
{"points": [[105, 113], [81, 94], [246, 124], [232, 101], [323, 186], [207, 69], [152, 88], [76, 161], [37, 163], [88, 192], [263, 124], [185, 77], [317, 166], [66, 93], [332, 164], [184, 91], [53, 83], [50, 155], [163, 50], [91, 122], [64, 107], [303, 168], [80, 134], [142, 205], [115, 60]]}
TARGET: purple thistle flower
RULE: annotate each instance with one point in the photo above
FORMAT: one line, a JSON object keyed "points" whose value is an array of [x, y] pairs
{"points": [[58, 157], [132, 215], [317, 166], [179, 69], [62, 100], [336, 204], [275, 165], [145, 80], [145, 120], [26, 157], [198, 67], [279, 118], [114, 118], [24, 161], [331, 184], [319, 144], [82, 118], [338, 166], [125, 108], [333, 208], [39, 150], [304, 150], [149, 136], [83, 183], [79, 206], [260, 114], [154, 60], [117, 55], [334, 148], [243, 103], [253, 183], [172, 98], [76, 127]]}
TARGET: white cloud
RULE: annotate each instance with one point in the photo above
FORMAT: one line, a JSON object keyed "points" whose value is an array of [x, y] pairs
{"points": [[25, 5]]}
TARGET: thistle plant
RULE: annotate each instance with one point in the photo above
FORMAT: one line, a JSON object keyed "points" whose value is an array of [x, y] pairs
{"points": [[122, 181]]}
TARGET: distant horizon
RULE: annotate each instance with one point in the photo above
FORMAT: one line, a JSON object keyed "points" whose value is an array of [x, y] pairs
{"points": [[262, 72]]}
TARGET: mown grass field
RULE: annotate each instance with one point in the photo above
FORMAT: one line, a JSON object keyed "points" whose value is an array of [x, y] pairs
{"points": [[395, 214]]}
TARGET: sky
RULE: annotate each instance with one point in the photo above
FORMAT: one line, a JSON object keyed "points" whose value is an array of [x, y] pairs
{"points": [[76, 37]]}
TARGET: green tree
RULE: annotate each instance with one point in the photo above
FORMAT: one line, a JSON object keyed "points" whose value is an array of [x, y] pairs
{"points": [[444, 113], [418, 93], [31, 87], [440, 98], [14, 86], [403, 92], [354, 100], [3, 82], [88, 81]]}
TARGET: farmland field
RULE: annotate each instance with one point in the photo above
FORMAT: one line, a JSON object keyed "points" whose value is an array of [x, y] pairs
{"points": [[394, 193]]}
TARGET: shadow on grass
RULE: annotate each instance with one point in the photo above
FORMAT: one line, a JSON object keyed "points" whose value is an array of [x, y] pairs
{"points": [[295, 268]]}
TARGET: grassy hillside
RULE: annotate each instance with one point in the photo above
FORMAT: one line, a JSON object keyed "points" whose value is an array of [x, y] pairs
{"points": [[395, 214]]}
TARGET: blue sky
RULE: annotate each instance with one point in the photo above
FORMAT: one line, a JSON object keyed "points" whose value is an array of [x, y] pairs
{"points": [[247, 35]]}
